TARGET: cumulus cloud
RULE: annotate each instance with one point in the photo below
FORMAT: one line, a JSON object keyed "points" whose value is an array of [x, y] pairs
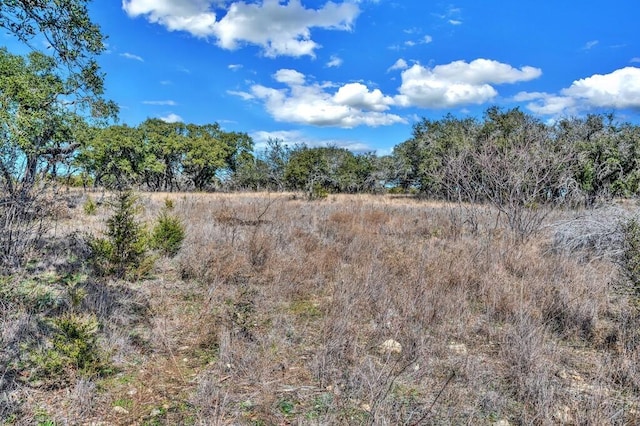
{"points": [[234, 67], [543, 103], [172, 118], [305, 102], [618, 89], [458, 83], [279, 28], [357, 95]]}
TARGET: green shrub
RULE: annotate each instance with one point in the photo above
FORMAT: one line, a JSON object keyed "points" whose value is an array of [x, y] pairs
{"points": [[167, 234], [90, 207], [73, 349], [123, 250]]}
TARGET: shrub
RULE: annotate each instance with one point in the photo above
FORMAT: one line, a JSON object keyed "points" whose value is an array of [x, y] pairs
{"points": [[123, 251], [73, 350], [168, 233], [90, 206]]}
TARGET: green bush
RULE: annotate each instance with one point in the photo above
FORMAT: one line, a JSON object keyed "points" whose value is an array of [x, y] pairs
{"points": [[73, 350], [167, 234], [90, 207], [122, 252]]}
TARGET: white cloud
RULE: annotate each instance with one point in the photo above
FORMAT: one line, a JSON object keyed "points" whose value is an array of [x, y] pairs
{"points": [[618, 89], [546, 104], [167, 102], [635, 60], [311, 103], [295, 137], [244, 95], [193, 16], [334, 61], [172, 118], [132, 56], [458, 83], [289, 77], [280, 28], [590, 44], [357, 95], [234, 67], [455, 22], [400, 64], [427, 39]]}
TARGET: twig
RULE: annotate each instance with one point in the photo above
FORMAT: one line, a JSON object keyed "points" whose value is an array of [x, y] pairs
{"points": [[426, 414]]}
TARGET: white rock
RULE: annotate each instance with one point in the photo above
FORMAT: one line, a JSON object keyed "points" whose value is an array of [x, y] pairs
{"points": [[458, 348], [390, 346], [120, 410]]}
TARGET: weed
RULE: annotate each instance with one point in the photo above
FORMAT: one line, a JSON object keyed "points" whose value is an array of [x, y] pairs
{"points": [[90, 207]]}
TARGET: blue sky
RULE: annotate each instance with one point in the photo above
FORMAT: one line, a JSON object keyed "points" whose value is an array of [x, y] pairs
{"points": [[359, 73]]}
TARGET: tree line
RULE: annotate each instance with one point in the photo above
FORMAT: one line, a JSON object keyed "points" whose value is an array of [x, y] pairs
{"points": [[507, 156]]}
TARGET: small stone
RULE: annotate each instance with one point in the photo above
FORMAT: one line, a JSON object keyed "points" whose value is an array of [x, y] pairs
{"points": [[155, 412], [120, 410], [502, 422], [132, 392], [366, 407], [458, 348], [390, 346], [563, 415]]}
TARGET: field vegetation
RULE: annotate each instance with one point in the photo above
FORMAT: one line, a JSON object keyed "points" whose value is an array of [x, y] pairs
{"points": [[357, 309], [487, 271]]}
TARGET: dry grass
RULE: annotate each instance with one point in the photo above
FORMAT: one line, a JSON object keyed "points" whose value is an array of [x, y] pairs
{"points": [[275, 311]]}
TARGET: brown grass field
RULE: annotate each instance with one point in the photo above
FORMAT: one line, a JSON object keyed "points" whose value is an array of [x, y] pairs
{"points": [[351, 310]]}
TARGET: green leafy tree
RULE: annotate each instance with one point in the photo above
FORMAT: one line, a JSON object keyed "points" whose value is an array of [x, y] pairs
{"points": [[73, 42], [44, 102], [420, 161], [116, 157], [275, 157], [210, 151], [166, 143], [38, 134]]}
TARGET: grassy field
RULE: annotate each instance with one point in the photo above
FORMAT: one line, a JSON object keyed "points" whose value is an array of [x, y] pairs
{"points": [[350, 310]]}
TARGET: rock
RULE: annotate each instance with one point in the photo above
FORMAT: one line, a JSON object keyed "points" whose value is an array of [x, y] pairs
{"points": [[458, 348], [502, 422], [120, 410], [390, 346], [563, 415]]}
